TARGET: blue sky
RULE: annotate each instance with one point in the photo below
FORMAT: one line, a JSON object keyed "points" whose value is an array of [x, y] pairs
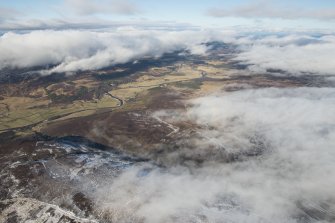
{"points": [[304, 14]]}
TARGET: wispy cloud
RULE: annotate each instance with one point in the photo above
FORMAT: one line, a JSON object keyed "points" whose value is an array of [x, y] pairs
{"points": [[89, 24], [8, 14], [91, 7], [268, 9]]}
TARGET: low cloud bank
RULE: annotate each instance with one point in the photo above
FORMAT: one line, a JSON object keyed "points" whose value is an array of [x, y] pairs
{"points": [[71, 51], [296, 54], [86, 50], [290, 179]]}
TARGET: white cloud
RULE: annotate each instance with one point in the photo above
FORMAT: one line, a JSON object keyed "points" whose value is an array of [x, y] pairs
{"points": [[290, 180], [296, 54], [87, 50], [71, 51]]}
